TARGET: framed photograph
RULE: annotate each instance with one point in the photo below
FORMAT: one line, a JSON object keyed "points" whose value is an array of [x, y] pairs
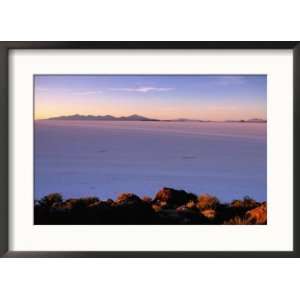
{"points": [[149, 149]]}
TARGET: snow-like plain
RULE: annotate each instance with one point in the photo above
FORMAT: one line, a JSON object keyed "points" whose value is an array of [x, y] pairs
{"points": [[106, 158]]}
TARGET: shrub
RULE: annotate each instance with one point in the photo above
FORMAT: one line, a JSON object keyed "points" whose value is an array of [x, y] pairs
{"points": [[191, 204], [80, 203], [169, 207], [247, 203], [237, 221], [52, 199], [237, 204], [207, 201], [147, 199], [258, 215], [128, 198], [209, 213], [172, 198]]}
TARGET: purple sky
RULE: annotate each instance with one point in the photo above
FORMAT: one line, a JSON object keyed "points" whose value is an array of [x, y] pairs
{"points": [[213, 97]]}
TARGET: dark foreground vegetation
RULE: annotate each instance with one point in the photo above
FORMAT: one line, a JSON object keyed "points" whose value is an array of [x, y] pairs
{"points": [[169, 206]]}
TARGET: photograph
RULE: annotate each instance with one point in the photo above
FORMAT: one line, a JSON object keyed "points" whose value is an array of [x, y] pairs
{"points": [[150, 149]]}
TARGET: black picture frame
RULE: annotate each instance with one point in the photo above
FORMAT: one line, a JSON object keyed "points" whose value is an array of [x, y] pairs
{"points": [[5, 47]]}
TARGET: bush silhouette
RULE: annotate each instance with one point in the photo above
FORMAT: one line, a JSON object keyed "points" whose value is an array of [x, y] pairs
{"points": [[171, 198], [169, 206], [51, 199]]}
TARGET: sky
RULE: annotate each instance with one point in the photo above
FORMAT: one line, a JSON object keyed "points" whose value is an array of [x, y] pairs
{"points": [[201, 97]]}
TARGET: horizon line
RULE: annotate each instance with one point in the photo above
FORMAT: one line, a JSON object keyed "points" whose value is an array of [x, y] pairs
{"points": [[149, 118]]}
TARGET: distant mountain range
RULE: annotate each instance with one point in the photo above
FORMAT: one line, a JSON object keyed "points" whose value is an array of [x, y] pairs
{"points": [[102, 118], [249, 121], [136, 117]]}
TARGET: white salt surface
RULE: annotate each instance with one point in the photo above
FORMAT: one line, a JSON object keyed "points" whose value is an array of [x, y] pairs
{"points": [[106, 158]]}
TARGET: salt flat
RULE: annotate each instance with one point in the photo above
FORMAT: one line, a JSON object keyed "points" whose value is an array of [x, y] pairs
{"points": [[106, 158]]}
